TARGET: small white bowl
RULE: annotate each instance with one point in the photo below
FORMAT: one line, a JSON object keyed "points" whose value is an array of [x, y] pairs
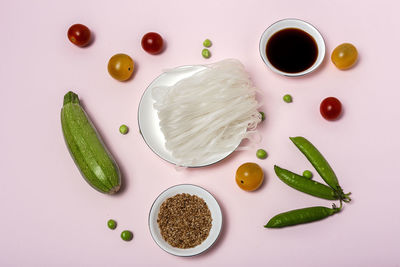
{"points": [[213, 206], [298, 24]]}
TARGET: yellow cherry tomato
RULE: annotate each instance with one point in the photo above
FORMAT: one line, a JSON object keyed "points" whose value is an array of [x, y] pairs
{"points": [[344, 56], [249, 176], [120, 67]]}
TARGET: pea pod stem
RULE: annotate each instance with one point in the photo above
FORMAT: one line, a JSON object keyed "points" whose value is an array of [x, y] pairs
{"points": [[320, 164], [306, 185]]}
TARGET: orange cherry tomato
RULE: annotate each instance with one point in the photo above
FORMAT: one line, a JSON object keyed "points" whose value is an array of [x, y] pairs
{"points": [[249, 176], [344, 56], [120, 67]]}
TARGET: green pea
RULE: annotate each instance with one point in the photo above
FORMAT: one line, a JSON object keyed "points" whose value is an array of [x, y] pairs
{"points": [[308, 174], [123, 129], [207, 43], [261, 154], [112, 224], [206, 53], [262, 116], [287, 98], [126, 235]]}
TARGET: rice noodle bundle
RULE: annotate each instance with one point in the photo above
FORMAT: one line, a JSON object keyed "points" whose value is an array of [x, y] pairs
{"points": [[207, 113]]}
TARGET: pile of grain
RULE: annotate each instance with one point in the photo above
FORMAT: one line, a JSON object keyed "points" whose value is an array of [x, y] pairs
{"points": [[184, 220]]}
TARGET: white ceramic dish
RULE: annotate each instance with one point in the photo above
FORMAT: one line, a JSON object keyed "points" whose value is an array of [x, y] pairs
{"points": [[292, 23], [149, 122], [212, 204]]}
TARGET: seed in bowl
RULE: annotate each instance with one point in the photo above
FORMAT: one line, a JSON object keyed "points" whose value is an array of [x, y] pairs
{"points": [[185, 220]]}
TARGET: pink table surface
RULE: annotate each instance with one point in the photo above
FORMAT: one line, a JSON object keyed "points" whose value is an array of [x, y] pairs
{"points": [[51, 217]]}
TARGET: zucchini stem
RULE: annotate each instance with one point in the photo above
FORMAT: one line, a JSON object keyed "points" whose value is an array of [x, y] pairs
{"points": [[71, 97]]}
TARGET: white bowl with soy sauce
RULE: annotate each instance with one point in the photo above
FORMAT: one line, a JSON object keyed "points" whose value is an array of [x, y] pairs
{"points": [[292, 47]]}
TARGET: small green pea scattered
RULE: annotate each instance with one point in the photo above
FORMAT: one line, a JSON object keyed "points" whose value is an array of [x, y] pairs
{"points": [[261, 154], [126, 235], [308, 174], [112, 224], [207, 43], [262, 116], [287, 98], [206, 53], [123, 129]]}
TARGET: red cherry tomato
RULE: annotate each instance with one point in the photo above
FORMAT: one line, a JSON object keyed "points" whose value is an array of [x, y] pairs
{"points": [[79, 35], [330, 108], [152, 43]]}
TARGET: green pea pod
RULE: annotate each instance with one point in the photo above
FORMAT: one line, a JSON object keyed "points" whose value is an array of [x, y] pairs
{"points": [[320, 164], [306, 185], [301, 216]]}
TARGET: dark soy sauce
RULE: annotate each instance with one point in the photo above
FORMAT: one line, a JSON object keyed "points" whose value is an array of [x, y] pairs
{"points": [[292, 50]]}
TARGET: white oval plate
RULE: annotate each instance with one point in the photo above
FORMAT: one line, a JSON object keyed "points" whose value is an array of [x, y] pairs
{"points": [[298, 24], [149, 121], [212, 204]]}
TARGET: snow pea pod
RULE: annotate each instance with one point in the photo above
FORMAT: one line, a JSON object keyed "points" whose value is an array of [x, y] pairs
{"points": [[301, 216], [306, 185], [320, 164]]}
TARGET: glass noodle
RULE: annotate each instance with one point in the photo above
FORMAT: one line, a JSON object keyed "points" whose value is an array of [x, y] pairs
{"points": [[207, 113]]}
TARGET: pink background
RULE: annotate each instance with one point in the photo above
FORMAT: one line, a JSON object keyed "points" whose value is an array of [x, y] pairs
{"points": [[51, 217]]}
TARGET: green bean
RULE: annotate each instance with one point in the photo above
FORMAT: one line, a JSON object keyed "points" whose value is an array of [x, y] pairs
{"points": [[300, 216], [287, 98], [112, 224], [262, 116], [320, 164], [123, 129], [306, 185], [261, 154], [207, 43], [206, 53], [126, 235], [308, 174]]}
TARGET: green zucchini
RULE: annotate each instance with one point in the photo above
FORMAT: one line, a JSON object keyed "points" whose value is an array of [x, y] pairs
{"points": [[87, 149]]}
